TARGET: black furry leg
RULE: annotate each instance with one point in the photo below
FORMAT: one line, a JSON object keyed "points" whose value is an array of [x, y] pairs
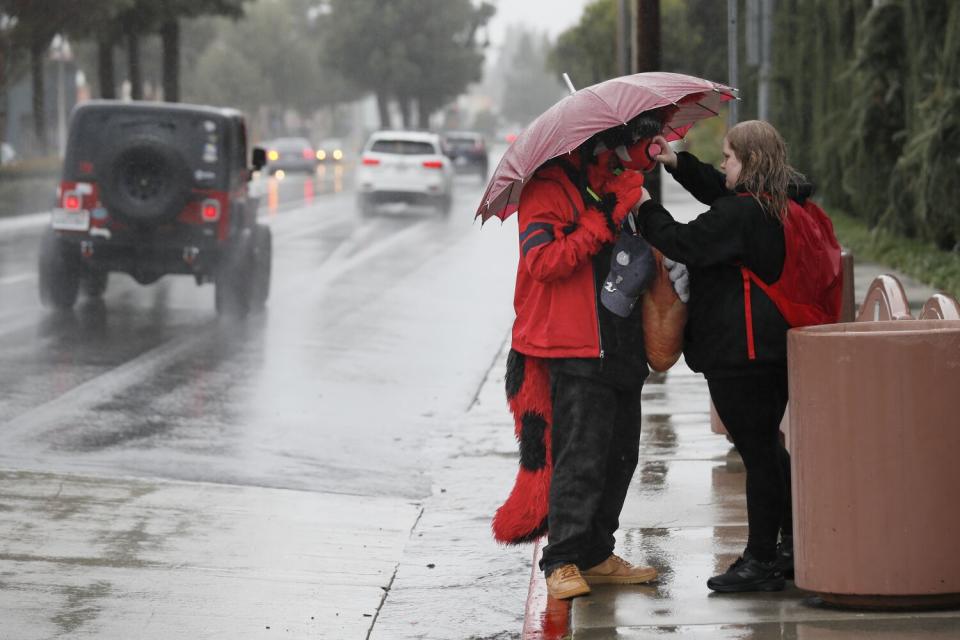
{"points": [[596, 431]]}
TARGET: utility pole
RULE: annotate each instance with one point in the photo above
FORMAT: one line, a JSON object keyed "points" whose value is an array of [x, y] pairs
{"points": [[624, 37], [766, 32], [732, 68], [648, 59]]}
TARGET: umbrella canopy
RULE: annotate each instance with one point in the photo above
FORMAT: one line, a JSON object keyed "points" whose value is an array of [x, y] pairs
{"points": [[574, 119]]}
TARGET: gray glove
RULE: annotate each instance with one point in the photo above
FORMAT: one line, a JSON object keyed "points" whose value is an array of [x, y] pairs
{"points": [[679, 277]]}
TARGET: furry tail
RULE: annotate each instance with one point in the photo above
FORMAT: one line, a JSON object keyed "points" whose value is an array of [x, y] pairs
{"points": [[523, 517]]}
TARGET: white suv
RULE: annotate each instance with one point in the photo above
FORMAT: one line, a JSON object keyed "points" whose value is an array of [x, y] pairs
{"points": [[404, 166]]}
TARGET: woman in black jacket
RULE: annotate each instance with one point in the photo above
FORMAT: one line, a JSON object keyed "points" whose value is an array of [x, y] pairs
{"points": [[735, 335]]}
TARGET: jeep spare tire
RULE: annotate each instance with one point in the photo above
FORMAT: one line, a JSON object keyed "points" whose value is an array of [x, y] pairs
{"points": [[144, 178]]}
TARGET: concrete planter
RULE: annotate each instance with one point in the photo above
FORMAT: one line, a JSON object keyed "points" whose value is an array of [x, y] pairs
{"points": [[875, 444]]}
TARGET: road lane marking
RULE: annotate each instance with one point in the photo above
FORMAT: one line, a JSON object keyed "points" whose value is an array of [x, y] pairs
{"points": [[104, 386], [111, 383]]}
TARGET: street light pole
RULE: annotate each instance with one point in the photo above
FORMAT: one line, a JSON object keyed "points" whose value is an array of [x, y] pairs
{"points": [[732, 68], [623, 38], [647, 58]]}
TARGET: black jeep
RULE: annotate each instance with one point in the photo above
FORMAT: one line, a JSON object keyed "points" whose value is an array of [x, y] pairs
{"points": [[150, 189]]}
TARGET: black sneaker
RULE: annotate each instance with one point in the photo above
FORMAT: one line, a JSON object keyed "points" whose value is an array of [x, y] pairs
{"points": [[748, 574], [785, 556]]}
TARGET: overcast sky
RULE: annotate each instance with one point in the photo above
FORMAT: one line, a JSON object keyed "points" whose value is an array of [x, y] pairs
{"points": [[552, 16]]}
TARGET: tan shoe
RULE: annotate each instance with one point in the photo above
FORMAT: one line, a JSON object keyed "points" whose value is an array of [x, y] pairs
{"points": [[566, 582], [616, 570]]}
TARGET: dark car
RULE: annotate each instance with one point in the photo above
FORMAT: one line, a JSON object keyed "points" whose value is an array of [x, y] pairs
{"points": [[291, 154], [468, 151], [154, 189]]}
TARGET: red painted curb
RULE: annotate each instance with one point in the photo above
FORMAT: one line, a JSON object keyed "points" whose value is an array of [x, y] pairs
{"points": [[544, 618]]}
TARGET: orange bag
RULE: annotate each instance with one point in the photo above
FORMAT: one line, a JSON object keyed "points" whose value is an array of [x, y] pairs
{"points": [[664, 318]]}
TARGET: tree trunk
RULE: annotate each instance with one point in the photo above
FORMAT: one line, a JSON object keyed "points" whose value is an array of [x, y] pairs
{"points": [[423, 113], [383, 107], [134, 72], [170, 36], [648, 59], [38, 50], [3, 90], [405, 111], [105, 72]]}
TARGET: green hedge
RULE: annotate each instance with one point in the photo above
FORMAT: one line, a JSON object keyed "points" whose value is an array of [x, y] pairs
{"points": [[918, 259], [869, 100]]}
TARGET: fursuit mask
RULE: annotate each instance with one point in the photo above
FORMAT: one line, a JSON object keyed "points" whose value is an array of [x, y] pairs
{"points": [[630, 146]]}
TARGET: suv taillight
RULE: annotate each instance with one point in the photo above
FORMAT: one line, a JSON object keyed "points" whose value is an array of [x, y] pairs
{"points": [[308, 154], [371, 162], [433, 164], [210, 210], [72, 201]]}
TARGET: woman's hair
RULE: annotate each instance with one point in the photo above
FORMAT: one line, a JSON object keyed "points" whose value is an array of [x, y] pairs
{"points": [[764, 171]]}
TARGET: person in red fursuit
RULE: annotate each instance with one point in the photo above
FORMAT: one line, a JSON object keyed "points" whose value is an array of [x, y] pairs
{"points": [[743, 291], [577, 363]]}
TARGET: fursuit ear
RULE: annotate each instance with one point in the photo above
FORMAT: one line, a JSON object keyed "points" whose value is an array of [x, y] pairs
{"points": [[523, 516]]}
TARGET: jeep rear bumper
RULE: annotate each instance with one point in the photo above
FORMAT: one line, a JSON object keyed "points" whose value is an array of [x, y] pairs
{"points": [[146, 262]]}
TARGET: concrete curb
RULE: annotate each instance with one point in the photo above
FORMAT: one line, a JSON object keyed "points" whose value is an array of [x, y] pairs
{"points": [[543, 618], [26, 221]]}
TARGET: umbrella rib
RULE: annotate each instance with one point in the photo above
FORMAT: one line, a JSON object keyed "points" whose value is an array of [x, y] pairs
{"points": [[716, 113]]}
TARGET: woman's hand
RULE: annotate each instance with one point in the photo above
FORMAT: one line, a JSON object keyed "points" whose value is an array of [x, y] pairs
{"points": [[644, 196], [667, 156]]}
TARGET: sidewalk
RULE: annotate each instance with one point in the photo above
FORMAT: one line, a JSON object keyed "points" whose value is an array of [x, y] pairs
{"points": [[686, 515]]}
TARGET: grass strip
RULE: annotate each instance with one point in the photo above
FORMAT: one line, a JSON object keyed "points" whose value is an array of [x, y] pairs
{"points": [[919, 260]]}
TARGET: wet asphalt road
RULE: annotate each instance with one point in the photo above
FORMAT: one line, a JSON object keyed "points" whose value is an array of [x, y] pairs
{"points": [[373, 331], [377, 337]]}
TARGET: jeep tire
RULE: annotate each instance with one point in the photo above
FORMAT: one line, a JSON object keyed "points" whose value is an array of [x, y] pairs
{"points": [[144, 178], [262, 259], [59, 275]]}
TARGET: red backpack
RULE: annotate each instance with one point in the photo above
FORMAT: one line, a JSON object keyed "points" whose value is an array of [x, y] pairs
{"points": [[809, 289]]}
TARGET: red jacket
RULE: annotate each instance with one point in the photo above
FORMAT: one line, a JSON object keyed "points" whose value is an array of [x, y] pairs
{"points": [[555, 297]]}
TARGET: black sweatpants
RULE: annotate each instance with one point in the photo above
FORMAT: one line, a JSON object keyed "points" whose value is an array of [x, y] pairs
{"points": [[751, 407], [595, 445]]}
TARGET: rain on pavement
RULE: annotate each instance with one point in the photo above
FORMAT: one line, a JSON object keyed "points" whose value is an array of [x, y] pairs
{"points": [[170, 474]]}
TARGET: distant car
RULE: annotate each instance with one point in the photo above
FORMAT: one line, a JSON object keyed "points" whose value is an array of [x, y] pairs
{"points": [[331, 150], [468, 151], [151, 189], [404, 166], [291, 154]]}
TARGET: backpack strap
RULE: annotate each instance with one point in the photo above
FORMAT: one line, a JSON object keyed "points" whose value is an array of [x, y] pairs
{"points": [[746, 274]]}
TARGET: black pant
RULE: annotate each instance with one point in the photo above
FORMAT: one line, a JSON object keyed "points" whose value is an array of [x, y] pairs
{"points": [[751, 407], [595, 445]]}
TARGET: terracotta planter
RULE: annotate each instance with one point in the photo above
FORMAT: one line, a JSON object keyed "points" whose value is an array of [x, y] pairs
{"points": [[875, 443]]}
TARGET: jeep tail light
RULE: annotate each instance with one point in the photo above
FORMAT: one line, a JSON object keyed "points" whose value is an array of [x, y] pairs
{"points": [[210, 210], [370, 162], [433, 164], [71, 201]]}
